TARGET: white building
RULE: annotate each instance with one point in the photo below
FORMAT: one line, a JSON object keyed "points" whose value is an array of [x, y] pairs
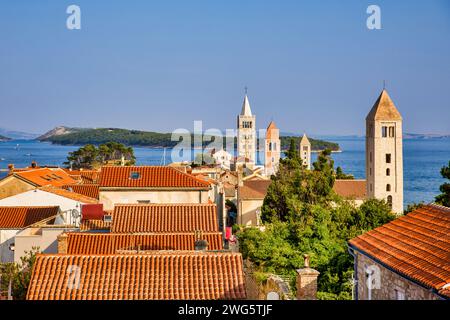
{"points": [[15, 219], [222, 158], [69, 202]]}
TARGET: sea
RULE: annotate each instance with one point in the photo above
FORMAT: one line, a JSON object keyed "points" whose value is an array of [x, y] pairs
{"points": [[422, 160]]}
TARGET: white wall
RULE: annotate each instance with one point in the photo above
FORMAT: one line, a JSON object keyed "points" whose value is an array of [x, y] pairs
{"points": [[42, 198], [44, 238], [6, 238], [109, 198]]}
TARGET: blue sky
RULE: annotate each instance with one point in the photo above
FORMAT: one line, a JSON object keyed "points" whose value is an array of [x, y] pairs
{"points": [[312, 66]]}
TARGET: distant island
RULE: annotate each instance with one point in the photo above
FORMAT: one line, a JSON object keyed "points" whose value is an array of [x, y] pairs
{"points": [[3, 138], [80, 136]]}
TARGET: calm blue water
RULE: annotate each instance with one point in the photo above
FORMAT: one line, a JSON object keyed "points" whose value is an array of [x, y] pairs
{"points": [[423, 160]]}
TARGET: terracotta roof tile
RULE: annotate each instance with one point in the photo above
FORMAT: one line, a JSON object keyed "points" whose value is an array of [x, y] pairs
{"points": [[155, 276], [110, 243], [164, 218], [95, 225], [88, 190], [21, 217], [84, 176], [45, 177], [351, 189], [149, 177], [416, 245], [68, 194], [254, 189]]}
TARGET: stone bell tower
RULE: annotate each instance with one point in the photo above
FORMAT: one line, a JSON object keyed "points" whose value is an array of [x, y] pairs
{"points": [[384, 153], [246, 139], [272, 149]]}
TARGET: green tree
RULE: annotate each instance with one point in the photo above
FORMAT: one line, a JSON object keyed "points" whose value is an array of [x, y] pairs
{"points": [[302, 215], [341, 175], [292, 152], [18, 274], [89, 156], [444, 197]]}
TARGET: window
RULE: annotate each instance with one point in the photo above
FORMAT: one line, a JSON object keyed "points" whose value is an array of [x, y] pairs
{"points": [[305, 148], [389, 201], [270, 146], [370, 156], [391, 132], [388, 172], [370, 171], [134, 175], [384, 131], [371, 187], [388, 158], [143, 201], [388, 187]]}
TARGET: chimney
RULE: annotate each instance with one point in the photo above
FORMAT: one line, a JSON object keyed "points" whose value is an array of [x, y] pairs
{"points": [[33, 164], [62, 243], [307, 282], [240, 178], [11, 168], [200, 244]]}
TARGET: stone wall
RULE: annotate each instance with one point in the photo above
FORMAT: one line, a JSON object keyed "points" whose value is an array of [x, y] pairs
{"points": [[391, 285], [257, 290]]}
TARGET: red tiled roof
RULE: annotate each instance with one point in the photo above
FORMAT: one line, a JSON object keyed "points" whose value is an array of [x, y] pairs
{"points": [[149, 177], [84, 176], [45, 177], [95, 225], [254, 189], [351, 189], [88, 190], [134, 218], [110, 243], [68, 194], [416, 245], [21, 217], [156, 276]]}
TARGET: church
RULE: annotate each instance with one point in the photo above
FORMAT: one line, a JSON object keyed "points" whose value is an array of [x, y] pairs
{"points": [[384, 152]]}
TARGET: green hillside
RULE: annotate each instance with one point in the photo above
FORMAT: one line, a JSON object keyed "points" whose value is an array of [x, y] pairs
{"points": [[146, 138]]}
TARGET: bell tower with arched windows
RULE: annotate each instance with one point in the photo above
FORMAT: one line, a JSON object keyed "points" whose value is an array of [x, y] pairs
{"points": [[246, 135], [384, 153]]}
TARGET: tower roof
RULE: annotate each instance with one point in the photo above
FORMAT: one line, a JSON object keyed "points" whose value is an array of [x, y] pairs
{"points": [[304, 140], [270, 129], [246, 111], [384, 109]]}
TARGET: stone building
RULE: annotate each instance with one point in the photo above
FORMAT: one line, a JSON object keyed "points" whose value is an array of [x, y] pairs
{"points": [[272, 149], [246, 139], [384, 153], [305, 151], [405, 259]]}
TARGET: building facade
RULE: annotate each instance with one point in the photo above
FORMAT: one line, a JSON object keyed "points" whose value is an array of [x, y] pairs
{"points": [[246, 136], [384, 153]]}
